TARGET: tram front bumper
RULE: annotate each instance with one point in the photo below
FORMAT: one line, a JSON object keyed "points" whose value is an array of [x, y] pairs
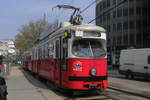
{"points": [[86, 83]]}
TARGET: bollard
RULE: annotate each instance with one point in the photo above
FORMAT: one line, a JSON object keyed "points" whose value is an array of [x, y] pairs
{"points": [[0, 67], [5, 70]]}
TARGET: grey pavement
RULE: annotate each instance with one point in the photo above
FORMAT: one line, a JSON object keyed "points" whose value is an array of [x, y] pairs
{"points": [[23, 86], [19, 88]]}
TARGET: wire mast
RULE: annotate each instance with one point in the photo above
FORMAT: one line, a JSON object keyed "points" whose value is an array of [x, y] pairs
{"points": [[76, 18]]}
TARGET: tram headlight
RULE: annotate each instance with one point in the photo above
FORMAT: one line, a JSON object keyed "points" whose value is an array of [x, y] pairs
{"points": [[93, 72]]}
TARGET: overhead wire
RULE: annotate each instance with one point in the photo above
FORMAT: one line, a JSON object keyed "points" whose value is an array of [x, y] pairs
{"points": [[107, 11], [63, 9], [88, 7], [80, 11]]}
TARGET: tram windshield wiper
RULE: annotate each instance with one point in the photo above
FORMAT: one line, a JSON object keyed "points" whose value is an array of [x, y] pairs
{"points": [[91, 49]]}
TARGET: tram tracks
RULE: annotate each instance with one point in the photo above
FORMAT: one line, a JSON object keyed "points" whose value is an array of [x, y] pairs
{"points": [[106, 96], [101, 96], [128, 92], [94, 97]]}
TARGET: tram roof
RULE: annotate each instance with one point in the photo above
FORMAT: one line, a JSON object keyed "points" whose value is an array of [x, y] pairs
{"points": [[68, 26], [86, 27]]}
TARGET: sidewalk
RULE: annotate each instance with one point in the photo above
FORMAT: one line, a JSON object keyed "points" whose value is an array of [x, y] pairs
{"points": [[19, 88]]}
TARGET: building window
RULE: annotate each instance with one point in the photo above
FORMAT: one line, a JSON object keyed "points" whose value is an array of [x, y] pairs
{"points": [[132, 39], [139, 0], [144, 10], [119, 12], [104, 4], [125, 25], [100, 19], [138, 11], [125, 39], [108, 28], [97, 9], [108, 16], [138, 24], [101, 6], [104, 17], [108, 3], [131, 0], [119, 26], [114, 14], [114, 2], [125, 11], [145, 23], [114, 27], [132, 26], [131, 11]]}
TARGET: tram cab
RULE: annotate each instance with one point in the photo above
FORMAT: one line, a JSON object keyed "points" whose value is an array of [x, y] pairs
{"points": [[86, 61]]}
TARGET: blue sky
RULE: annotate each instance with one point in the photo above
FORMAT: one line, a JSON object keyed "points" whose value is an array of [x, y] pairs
{"points": [[14, 13]]}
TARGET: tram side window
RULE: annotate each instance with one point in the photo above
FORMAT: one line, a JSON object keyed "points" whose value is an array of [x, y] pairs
{"points": [[57, 54], [51, 50], [41, 50], [65, 53], [46, 50], [37, 54], [40, 53]]}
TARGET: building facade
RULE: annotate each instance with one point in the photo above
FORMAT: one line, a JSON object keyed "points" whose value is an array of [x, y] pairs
{"points": [[7, 48], [11, 48], [4, 48], [127, 23]]}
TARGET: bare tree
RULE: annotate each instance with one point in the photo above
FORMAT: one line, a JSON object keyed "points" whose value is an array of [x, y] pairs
{"points": [[29, 33]]}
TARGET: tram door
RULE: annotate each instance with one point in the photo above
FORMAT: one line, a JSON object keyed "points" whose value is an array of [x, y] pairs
{"points": [[58, 62]]}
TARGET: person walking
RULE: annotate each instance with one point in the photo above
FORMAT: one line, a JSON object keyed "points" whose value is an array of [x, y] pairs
{"points": [[3, 89]]}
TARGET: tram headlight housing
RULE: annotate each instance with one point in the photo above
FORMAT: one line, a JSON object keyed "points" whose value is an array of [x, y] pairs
{"points": [[93, 72]]}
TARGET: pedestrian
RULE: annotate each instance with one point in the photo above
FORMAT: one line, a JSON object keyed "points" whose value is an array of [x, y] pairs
{"points": [[4, 87]]}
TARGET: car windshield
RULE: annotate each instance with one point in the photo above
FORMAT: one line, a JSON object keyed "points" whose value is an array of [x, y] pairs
{"points": [[88, 48]]}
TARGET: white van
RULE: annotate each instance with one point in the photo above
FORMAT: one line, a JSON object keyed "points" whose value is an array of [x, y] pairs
{"points": [[135, 62]]}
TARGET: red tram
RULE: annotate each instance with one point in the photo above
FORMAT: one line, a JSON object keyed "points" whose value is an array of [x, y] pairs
{"points": [[72, 57], [1, 58]]}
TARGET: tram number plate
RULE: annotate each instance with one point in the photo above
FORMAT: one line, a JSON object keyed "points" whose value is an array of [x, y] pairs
{"points": [[91, 86]]}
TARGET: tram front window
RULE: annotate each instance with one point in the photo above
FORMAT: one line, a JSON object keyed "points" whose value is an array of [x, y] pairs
{"points": [[88, 48]]}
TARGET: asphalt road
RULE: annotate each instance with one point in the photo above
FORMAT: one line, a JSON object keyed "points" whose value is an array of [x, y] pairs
{"points": [[138, 86]]}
